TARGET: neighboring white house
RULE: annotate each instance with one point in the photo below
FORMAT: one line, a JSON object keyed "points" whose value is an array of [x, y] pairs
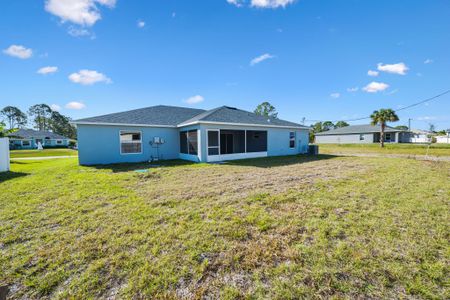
{"points": [[443, 139], [4, 154], [420, 136], [361, 134]]}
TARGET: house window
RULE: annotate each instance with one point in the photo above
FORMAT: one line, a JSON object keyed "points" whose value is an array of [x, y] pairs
{"points": [[292, 139], [130, 142], [59, 142], [387, 137], [213, 142], [361, 137], [26, 143], [189, 142]]}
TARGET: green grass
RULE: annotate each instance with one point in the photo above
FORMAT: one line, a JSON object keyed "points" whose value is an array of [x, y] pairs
{"points": [[405, 149], [279, 228], [43, 153]]}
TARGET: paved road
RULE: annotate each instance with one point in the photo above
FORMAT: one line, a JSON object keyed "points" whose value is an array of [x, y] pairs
{"points": [[42, 157], [413, 156]]}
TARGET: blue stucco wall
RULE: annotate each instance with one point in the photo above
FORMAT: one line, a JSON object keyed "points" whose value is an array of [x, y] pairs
{"points": [[101, 144]]}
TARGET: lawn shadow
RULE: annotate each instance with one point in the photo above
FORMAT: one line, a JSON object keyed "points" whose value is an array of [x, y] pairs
{"points": [[264, 162], [127, 167], [11, 175], [277, 161]]}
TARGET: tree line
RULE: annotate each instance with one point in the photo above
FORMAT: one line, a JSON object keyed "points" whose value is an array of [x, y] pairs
{"points": [[41, 117]]}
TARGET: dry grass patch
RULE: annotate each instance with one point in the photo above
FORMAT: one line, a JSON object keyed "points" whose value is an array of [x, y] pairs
{"points": [[239, 180]]}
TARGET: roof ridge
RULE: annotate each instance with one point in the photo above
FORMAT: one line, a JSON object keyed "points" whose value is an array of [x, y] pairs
{"points": [[205, 112]]}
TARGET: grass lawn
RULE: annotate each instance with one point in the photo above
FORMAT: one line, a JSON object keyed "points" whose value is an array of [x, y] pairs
{"points": [[274, 228], [43, 153], [408, 149]]}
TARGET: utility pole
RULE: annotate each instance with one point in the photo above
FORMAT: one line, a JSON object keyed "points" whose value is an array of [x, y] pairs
{"points": [[409, 124]]}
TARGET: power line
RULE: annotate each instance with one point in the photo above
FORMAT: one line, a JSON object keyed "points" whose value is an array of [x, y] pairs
{"points": [[403, 108], [423, 101]]}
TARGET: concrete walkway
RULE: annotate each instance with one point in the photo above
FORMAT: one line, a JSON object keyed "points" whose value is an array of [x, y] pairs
{"points": [[411, 156], [43, 157]]}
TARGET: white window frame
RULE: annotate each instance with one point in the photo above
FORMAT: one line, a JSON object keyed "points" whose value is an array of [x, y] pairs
{"points": [[292, 139], [29, 143], [60, 142], [386, 135], [362, 137], [141, 141], [207, 141]]}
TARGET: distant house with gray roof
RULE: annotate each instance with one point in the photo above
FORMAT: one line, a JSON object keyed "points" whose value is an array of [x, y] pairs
{"points": [[169, 132], [362, 134], [29, 139]]}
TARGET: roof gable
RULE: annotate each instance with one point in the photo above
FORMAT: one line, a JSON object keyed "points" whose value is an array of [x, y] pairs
{"points": [[231, 115]]}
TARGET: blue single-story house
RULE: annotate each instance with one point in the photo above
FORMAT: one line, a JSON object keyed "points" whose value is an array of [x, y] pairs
{"points": [[29, 139], [168, 132]]}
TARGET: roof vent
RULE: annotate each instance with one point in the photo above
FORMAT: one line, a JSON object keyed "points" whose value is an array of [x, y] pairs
{"points": [[229, 107]]}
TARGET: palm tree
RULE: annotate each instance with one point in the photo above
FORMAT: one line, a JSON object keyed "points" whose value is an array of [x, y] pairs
{"points": [[381, 117]]}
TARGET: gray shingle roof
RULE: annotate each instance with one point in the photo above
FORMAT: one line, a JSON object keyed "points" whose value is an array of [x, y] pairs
{"points": [[226, 114], [355, 129], [35, 134], [154, 115], [180, 116]]}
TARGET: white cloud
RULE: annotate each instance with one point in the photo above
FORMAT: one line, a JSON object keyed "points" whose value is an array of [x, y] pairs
{"points": [[353, 89], [375, 87], [392, 92], [237, 3], [55, 107], [81, 12], [194, 99], [47, 70], [261, 58], [18, 51], [75, 105], [373, 73], [78, 32], [399, 68], [271, 3], [335, 95], [426, 118], [88, 77], [428, 61], [140, 24]]}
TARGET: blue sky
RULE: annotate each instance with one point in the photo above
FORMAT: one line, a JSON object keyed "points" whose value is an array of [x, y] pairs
{"points": [[309, 58]]}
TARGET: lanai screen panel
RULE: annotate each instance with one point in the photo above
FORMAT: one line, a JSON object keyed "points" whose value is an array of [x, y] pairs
{"points": [[232, 141], [256, 141]]}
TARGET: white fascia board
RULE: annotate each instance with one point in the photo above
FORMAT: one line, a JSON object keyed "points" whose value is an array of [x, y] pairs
{"points": [[243, 124]]}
